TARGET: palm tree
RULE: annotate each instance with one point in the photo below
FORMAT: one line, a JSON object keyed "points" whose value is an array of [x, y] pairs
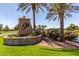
{"points": [[35, 9], [60, 11], [39, 26], [43, 26]]}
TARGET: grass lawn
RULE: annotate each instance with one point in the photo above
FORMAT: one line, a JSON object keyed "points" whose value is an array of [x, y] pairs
{"points": [[35, 50], [5, 32]]}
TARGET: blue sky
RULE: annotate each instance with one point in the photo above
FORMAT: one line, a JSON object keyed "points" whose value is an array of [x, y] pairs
{"points": [[9, 16]]}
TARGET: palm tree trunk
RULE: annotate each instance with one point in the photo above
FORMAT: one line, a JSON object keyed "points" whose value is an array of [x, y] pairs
{"points": [[33, 20], [33, 9], [61, 15]]}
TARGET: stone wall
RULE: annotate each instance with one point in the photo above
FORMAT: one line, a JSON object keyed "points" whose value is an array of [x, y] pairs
{"points": [[22, 40]]}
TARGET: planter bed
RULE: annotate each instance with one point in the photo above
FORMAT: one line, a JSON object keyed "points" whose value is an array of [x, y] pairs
{"points": [[16, 41]]}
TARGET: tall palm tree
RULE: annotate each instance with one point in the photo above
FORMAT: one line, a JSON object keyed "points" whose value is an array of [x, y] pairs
{"points": [[60, 11], [35, 9]]}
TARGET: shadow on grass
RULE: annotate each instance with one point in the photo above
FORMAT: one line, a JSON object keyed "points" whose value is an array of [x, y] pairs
{"points": [[62, 49], [67, 51]]}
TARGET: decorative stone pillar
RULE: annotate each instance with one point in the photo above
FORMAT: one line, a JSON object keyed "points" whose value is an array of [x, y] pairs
{"points": [[24, 27]]}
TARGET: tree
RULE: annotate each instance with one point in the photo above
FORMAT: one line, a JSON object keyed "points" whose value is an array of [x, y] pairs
{"points": [[43, 26], [1, 26], [60, 11], [35, 9], [39, 26], [6, 28], [16, 27], [72, 27]]}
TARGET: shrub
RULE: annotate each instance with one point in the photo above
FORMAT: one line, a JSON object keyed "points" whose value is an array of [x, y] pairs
{"points": [[43, 33], [36, 32], [70, 36], [53, 33]]}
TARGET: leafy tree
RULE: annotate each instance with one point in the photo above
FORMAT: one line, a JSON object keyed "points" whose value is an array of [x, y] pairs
{"points": [[60, 11], [16, 27], [72, 27], [35, 9], [1, 26], [6, 28]]}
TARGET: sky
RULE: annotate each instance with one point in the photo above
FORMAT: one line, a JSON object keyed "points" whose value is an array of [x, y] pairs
{"points": [[9, 16]]}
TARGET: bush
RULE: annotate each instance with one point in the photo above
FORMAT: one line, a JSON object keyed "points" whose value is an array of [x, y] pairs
{"points": [[70, 36], [43, 33], [53, 33], [36, 32]]}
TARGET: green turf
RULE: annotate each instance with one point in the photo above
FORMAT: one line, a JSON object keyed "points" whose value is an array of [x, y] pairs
{"points": [[35, 50]]}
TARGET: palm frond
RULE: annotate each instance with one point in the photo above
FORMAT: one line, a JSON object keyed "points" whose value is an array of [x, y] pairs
{"points": [[55, 18], [25, 7], [55, 8], [64, 17], [75, 8], [36, 11], [22, 5], [41, 9], [45, 5], [28, 10], [68, 15], [48, 16], [71, 8], [51, 16]]}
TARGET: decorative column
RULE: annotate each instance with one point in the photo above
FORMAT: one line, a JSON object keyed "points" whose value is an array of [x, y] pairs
{"points": [[24, 27]]}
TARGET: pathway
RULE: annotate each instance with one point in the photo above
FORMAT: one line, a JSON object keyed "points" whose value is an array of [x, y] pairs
{"points": [[56, 44]]}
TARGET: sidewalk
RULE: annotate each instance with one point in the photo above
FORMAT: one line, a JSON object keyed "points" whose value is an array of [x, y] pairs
{"points": [[56, 44]]}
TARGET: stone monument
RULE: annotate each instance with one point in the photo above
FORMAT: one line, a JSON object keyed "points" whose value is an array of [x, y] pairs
{"points": [[24, 26]]}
